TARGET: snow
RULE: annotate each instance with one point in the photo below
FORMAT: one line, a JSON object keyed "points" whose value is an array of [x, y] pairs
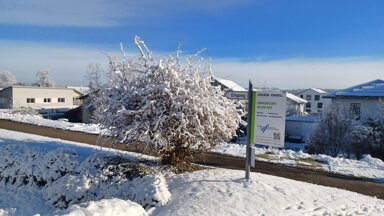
{"points": [[105, 207], [295, 98], [81, 89], [230, 84], [367, 167], [39, 120], [374, 88], [319, 90], [207, 192], [226, 192]]}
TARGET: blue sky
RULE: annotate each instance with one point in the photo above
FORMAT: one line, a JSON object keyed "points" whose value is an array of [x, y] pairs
{"points": [[280, 43]]}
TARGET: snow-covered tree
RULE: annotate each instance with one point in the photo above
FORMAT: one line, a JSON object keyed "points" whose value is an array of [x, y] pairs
{"points": [[7, 79], [93, 76], [166, 103], [331, 135], [43, 79]]}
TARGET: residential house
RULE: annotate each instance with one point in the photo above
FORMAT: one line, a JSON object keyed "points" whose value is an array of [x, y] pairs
{"points": [[46, 100], [363, 101], [315, 100], [295, 105]]}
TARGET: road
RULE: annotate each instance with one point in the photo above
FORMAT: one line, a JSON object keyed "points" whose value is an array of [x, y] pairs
{"points": [[213, 159]]}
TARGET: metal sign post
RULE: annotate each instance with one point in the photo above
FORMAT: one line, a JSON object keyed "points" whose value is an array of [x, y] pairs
{"points": [[249, 95], [250, 129]]}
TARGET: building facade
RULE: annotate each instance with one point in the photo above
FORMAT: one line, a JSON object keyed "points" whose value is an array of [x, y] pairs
{"points": [[315, 100], [43, 99], [363, 101]]}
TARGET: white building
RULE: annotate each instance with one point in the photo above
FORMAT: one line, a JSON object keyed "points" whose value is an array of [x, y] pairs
{"points": [[43, 99], [363, 101], [315, 101], [295, 105]]}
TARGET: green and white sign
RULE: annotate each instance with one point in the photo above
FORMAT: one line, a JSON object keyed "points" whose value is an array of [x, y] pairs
{"points": [[270, 110]]}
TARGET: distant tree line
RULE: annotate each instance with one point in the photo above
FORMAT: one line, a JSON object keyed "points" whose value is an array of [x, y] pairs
{"points": [[43, 79]]}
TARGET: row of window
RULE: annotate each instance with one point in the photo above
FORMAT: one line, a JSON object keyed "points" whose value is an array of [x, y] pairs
{"points": [[309, 97], [46, 100], [319, 105]]}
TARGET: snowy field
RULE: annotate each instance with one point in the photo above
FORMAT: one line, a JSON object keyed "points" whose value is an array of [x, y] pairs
{"points": [[367, 167], [38, 120], [207, 192]]}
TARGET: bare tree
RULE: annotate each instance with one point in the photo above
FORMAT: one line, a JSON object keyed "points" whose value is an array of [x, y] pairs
{"points": [[167, 104], [93, 76], [332, 132], [7, 79], [43, 79]]}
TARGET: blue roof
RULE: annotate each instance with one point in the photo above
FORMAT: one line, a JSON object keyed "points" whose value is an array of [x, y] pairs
{"points": [[373, 88]]}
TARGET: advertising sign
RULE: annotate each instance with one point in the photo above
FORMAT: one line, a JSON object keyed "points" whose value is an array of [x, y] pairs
{"points": [[270, 118]]}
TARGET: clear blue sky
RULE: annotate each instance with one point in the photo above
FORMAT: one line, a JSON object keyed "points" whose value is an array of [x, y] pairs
{"points": [[279, 43]]}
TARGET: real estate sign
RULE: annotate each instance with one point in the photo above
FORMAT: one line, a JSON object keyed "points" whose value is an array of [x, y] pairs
{"points": [[270, 118]]}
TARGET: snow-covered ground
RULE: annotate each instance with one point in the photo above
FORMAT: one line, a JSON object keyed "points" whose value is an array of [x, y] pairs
{"points": [[38, 120], [225, 192], [207, 192], [367, 167]]}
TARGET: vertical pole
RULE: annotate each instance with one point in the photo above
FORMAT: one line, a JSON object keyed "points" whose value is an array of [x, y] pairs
{"points": [[249, 131]]}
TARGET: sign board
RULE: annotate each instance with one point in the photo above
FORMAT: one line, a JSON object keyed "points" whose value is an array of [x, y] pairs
{"points": [[237, 95], [270, 118]]}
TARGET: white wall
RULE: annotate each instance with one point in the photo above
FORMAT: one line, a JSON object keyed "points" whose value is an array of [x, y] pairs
{"points": [[313, 102], [300, 128], [21, 93], [369, 107]]}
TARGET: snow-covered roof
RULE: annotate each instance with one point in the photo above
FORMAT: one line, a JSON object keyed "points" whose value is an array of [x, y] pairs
{"points": [[230, 84], [319, 90], [82, 89], [295, 98], [373, 88]]}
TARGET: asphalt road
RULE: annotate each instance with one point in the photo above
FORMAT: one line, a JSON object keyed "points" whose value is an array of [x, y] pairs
{"points": [[358, 185]]}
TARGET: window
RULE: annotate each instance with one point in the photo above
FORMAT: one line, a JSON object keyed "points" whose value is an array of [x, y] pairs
{"points": [[319, 105], [317, 97], [30, 100], [308, 97], [61, 100], [301, 96], [354, 110], [47, 100], [308, 105]]}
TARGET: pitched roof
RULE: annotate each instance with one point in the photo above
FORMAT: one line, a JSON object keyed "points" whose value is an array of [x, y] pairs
{"points": [[295, 98], [230, 84], [320, 91], [373, 88]]}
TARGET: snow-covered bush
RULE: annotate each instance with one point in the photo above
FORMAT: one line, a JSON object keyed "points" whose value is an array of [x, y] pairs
{"points": [[166, 103], [65, 179]]}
